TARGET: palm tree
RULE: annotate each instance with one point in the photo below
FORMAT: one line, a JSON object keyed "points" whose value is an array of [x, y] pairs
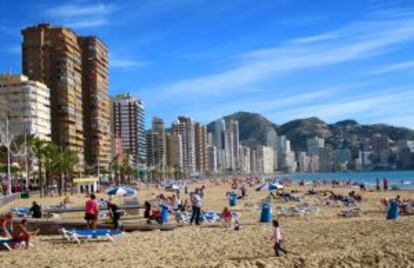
{"points": [[65, 165], [51, 155], [37, 147], [30, 141]]}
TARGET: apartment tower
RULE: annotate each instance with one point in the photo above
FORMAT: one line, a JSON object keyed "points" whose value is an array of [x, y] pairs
{"points": [[76, 71], [128, 118]]}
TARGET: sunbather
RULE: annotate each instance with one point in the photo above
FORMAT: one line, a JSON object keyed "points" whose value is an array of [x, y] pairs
{"points": [[6, 224], [23, 235]]}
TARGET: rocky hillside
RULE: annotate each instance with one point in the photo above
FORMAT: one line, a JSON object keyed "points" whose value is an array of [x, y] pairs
{"points": [[348, 132]]}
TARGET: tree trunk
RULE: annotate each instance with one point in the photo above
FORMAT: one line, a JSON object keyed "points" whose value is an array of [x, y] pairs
{"points": [[60, 184], [40, 176], [65, 184]]}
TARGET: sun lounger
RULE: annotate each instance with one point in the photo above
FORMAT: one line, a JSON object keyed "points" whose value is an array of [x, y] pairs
{"points": [[21, 211], [78, 235], [7, 243], [11, 244], [347, 213]]}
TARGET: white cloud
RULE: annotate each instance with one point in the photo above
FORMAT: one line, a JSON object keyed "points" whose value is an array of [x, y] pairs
{"points": [[375, 106], [81, 15], [80, 10], [123, 63], [394, 67], [353, 42]]}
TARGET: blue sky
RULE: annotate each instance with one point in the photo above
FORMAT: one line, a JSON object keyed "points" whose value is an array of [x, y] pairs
{"points": [[285, 59]]}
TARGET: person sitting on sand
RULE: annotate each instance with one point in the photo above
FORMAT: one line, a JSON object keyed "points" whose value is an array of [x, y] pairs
{"points": [[23, 235], [278, 238], [6, 224], [355, 196], [91, 212], [36, 211], [227, 216]]}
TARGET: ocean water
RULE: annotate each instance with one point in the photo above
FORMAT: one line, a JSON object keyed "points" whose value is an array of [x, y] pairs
{"points": [[402, 179]]}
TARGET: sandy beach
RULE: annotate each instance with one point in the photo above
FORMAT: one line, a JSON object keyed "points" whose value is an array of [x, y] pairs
{"points": [[322, 240]]}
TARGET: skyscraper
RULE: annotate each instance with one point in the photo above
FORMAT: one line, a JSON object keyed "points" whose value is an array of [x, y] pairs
{"points": [[76, 71], [156, 145], [201, 140], [96, 103], [184, 126], [128, 113], [174, 150], [53, 56]]}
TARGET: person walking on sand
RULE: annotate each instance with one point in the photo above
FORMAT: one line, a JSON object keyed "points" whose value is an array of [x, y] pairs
{"points": [[378, 185], [385, 182], [277, 236], [91, 212], [196, 201]]}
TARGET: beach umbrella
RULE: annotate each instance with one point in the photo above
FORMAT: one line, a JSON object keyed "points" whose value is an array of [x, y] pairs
{"points": [[269, 187], [120, 191], [172, 187]]}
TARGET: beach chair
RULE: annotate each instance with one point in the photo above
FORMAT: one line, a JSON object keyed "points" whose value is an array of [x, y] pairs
{"points": [[78, 235], [7, 243], [11, 244], [347, 213], [21, 211]]}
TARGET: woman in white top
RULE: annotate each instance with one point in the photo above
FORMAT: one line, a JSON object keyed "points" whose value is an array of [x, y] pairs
{"points": [[277, 236]]}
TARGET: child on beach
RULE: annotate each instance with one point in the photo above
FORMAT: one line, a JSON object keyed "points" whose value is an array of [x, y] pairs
{"points": [[277, 236], [227, 216]]}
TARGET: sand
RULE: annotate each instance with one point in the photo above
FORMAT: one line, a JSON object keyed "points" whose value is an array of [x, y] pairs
{"points": [[323, 240]]}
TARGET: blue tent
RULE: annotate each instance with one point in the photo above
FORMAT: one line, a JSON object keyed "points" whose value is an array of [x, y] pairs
{"points": [[269, 187]]}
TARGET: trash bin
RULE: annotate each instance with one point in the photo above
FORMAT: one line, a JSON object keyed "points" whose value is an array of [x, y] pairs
{"points": [[266, 214], [393, 211], [164, 213], [232, 200]]}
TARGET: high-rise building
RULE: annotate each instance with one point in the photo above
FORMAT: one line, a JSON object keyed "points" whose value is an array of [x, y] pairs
{"points": [[286, 156], [53, 56], [326, 159], [220, 127], [76, 71], [174, 147], [128, 118], [184, 126], [342, 158], [271, 140], [245, 159], [314, 144], [200, 142], [156, 145], [26, 103], [96, 102], [264, 160], [212, 159], [303, 162]]}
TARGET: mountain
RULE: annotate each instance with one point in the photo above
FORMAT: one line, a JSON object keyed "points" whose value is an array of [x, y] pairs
{"points": [[252, 127], [298, 131]]}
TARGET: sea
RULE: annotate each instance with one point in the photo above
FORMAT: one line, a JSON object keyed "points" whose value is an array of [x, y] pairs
{"points": [[401, 179]]}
